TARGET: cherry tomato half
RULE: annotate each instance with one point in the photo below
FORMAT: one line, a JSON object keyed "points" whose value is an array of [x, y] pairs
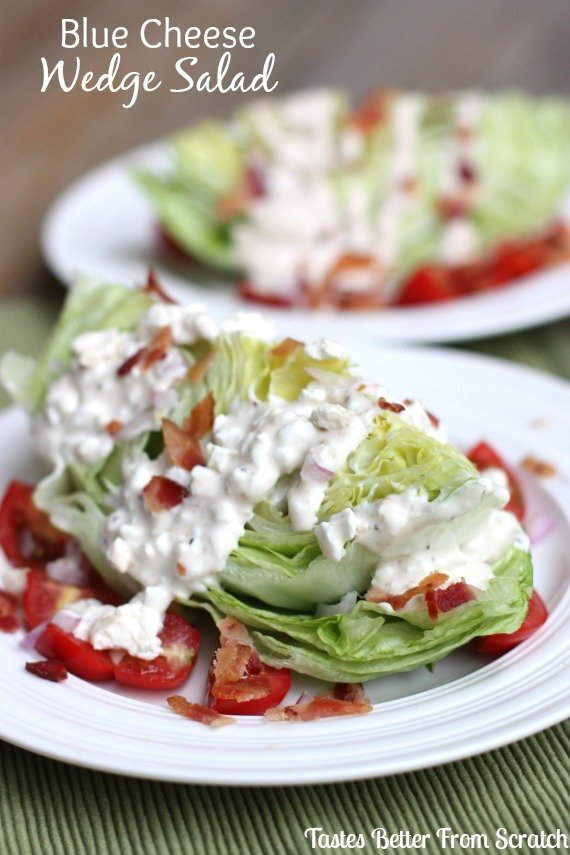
{"points": [[180, 644], [485, 457], [27, 537], [79, 657], [504, 641]]}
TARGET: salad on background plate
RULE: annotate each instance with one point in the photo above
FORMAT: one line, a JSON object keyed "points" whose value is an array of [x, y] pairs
{"points": [[327, 528], [406, 198]]}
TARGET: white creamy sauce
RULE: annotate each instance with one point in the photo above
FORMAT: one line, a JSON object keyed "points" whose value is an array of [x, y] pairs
{"points": [[295, 234], [251, 448], [302, 226], [461, 535], [12, 579], [399, 198], [133, 627], [460, 240]]}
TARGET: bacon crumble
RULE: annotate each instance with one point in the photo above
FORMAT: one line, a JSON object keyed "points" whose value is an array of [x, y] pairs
{"points": [[197, 712], [182, 446], [398, 601], [538, 467], [201, 419], [197, 371], [162, 494], [320, 707], [50, 669], [154, 287], [390, 405], [154, 351], [353, 692], [286, 347]]}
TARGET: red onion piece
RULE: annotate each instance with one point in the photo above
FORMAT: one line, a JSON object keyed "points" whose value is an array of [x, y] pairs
{"points": [[304, 698], [68, 571], [539, 526], [66, 620], [29, 640], [315, 471]]}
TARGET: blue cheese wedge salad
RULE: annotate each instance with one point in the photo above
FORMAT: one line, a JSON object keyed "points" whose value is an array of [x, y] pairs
{"points": [[328, 528], [404, 198]]}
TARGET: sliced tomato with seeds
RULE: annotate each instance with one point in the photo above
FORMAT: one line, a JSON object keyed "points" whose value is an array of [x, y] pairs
{"points": [[180, 645], [43, 597], [27, 536], [78, 656], [503, 641], [483, 456], [258, 689]]}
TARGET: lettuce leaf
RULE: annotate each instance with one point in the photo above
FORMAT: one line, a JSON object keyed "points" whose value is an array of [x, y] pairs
{"points": [[207, 165], [392, 458], [366, 643], [89, 306]]}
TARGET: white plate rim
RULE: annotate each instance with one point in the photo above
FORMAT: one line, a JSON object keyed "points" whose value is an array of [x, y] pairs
{"points": [[535, 714]]}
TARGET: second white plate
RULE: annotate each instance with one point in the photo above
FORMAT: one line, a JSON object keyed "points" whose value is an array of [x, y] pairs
{"points": [[103, 226]]}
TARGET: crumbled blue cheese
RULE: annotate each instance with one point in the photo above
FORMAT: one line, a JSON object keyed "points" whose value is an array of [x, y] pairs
{"points": [[461, 534], [133, 627]]}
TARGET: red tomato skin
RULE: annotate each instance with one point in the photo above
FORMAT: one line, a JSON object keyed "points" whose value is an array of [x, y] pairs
{"points": [[483, 456], [181, 643], [79, 657], [279, 680], [43, 597], [502, 642], [17, 514], [429, 284]]}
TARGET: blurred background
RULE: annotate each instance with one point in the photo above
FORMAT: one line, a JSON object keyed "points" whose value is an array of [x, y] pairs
{"points": [[50, 139]]}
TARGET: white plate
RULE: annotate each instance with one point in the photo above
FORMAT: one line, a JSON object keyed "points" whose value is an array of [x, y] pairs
{"points": [[104, 227], [467, 705]]}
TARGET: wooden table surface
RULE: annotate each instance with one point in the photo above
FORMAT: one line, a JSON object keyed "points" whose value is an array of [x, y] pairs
{"points": [[50, 139]]}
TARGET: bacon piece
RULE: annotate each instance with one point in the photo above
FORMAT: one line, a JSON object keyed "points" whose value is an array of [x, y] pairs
{"points": [[454, 595], [538, 467], [154, 351], [431, 603], [231, 662], [433, 419], [286, 347], [154, 287], [371, 112], [201, 419], [353, 692], [231, 629], [197, 712], [450, 208], [114, 427], [390, 405], [198, 370], [249, 689], [182, 446], [398, 601], [320, 707], [50, 669], [162, 494]]}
